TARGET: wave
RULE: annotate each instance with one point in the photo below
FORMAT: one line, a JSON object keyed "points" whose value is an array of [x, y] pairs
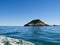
{"points": [[12, 41]]}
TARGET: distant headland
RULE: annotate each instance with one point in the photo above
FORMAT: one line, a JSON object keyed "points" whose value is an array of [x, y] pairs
{"points": [[36, 22]]}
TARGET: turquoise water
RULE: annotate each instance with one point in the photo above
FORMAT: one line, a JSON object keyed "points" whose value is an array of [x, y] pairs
{"points": [[39, 35]]}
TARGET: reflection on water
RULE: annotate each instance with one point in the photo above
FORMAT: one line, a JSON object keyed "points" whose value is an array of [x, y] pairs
{"points": [[40, 35]]}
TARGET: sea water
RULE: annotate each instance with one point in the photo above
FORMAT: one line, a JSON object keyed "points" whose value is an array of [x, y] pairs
{"points": [[38, 35]]}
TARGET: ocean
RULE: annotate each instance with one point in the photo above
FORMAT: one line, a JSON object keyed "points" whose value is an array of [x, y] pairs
{"points": [[39, 35]]}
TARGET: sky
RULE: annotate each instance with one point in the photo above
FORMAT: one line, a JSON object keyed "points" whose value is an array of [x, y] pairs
{"points": [[20, 12]]}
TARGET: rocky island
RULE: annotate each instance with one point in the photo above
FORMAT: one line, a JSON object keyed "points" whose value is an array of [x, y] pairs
{"points": [[36, 22]]}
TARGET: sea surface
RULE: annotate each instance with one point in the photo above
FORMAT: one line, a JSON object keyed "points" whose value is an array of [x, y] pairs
{"points": [[39, 35]]}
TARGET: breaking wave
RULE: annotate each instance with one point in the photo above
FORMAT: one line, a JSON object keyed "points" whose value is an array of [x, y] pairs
{"points": [[12, 41]]}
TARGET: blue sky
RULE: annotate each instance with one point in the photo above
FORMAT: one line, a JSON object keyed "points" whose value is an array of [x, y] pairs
{"points": [[20, 12]]}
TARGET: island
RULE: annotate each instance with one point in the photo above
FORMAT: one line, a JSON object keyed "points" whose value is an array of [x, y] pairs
{"points": [[36, 22]]}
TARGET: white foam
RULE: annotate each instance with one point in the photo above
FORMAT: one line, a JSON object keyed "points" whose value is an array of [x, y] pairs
{"points": [[11, 41]]}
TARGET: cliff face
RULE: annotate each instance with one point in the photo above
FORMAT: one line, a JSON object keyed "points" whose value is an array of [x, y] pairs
{"points": [[36, 22]]}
